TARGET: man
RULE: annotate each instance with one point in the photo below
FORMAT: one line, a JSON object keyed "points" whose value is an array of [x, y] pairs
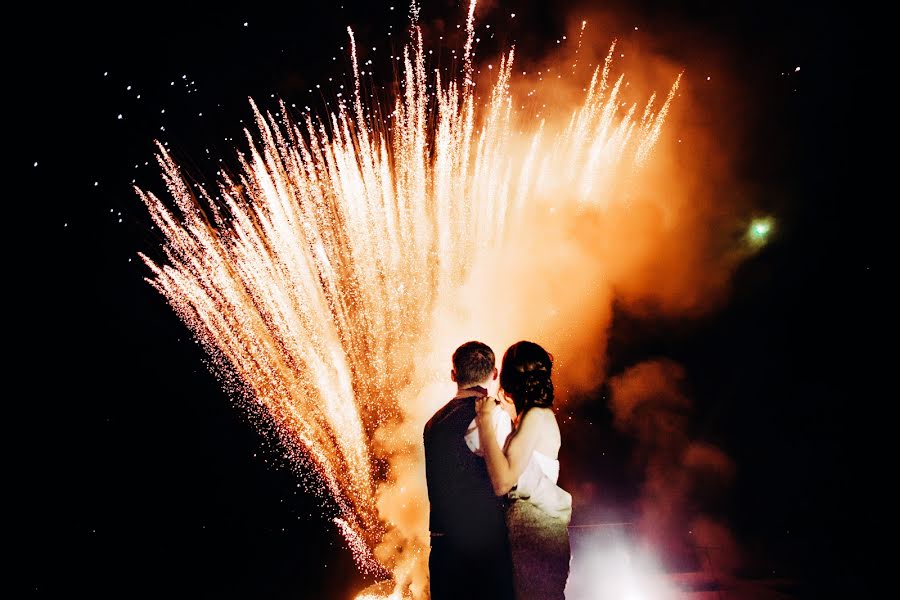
{"points": [[470, 555]]}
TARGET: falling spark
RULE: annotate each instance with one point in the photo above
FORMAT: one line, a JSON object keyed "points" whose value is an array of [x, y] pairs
{"points": [[311, 277], [361, 551], [578, 47]]}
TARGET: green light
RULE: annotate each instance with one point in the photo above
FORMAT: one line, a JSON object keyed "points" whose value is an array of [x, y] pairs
{"points": [[760, 230]]}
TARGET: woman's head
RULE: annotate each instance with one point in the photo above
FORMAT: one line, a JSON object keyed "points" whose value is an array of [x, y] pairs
{"points": [[525, 376]]}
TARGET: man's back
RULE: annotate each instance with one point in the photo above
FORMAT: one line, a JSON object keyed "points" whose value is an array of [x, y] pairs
{"points": [[470, 547], [463, 504]]}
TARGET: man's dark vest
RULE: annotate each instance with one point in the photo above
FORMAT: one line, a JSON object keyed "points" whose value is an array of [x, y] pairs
{"points": [[463, 505]]}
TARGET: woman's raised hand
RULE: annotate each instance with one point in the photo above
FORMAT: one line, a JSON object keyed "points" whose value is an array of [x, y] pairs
{"points": [[485, 407]]}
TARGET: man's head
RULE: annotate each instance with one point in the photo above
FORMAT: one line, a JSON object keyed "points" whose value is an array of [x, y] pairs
{"points": [[473, 364]]}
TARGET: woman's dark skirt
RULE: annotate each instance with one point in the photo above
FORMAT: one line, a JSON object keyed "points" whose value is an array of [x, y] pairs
{"points": [[540, 552]]}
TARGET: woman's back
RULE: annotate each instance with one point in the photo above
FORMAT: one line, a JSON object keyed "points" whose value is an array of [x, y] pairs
{"points": [[537, 482], [548, 438]]}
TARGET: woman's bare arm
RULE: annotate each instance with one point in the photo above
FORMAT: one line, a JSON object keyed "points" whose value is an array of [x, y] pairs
{"points": [[505, 469]]}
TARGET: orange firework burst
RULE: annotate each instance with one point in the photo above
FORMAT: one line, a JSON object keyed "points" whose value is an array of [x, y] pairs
{"points": [[316, 278]]}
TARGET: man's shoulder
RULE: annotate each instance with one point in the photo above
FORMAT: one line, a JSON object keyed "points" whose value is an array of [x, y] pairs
{"points": [[444, 412]]}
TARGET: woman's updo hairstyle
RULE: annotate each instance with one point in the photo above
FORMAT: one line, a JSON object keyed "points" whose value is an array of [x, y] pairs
{"points": [[525, 376]]}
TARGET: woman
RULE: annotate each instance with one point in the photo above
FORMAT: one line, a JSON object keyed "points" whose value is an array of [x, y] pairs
{"points": [[527, 470]]}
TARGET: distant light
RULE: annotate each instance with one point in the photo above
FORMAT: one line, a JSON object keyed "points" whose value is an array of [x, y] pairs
{"points": [[797, 69], [35, 163], [760, 231], [246, 23], [120, 116]]}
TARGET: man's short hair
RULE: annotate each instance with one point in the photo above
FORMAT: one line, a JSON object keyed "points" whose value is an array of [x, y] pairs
{"points": [[473, 363]]}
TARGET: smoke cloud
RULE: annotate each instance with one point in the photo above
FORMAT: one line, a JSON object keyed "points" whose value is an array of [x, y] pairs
{"points": [[681, 476]]}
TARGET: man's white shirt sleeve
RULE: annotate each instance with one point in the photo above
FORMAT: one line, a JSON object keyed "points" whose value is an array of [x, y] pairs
{"points": [[502, 427]]}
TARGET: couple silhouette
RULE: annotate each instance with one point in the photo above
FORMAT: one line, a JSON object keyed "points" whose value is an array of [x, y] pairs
{"points": [[498, 519]]}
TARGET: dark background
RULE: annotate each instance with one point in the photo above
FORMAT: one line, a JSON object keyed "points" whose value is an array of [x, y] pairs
{"points": [[140, 476]]}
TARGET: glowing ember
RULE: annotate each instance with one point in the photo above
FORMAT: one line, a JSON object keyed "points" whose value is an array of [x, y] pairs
{"points": [[313, 281]]}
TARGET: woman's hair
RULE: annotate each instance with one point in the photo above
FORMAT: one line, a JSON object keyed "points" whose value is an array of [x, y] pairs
{"points": [[525, 375]]}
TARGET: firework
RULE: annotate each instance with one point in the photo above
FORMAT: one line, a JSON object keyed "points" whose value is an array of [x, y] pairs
{"points": [[314, 276]]}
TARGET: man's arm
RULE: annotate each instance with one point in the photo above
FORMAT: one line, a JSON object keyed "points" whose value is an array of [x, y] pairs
{"points": [[502, 427]]}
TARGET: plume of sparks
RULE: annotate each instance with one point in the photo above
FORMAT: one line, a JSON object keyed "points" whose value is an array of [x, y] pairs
{"points": [[311, 278]]}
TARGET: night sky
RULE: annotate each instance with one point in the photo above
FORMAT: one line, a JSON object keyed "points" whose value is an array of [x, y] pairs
{"points": [[140, 474]]}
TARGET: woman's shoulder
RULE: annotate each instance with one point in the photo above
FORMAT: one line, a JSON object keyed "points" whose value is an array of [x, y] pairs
{"points": [[538, 416]]}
